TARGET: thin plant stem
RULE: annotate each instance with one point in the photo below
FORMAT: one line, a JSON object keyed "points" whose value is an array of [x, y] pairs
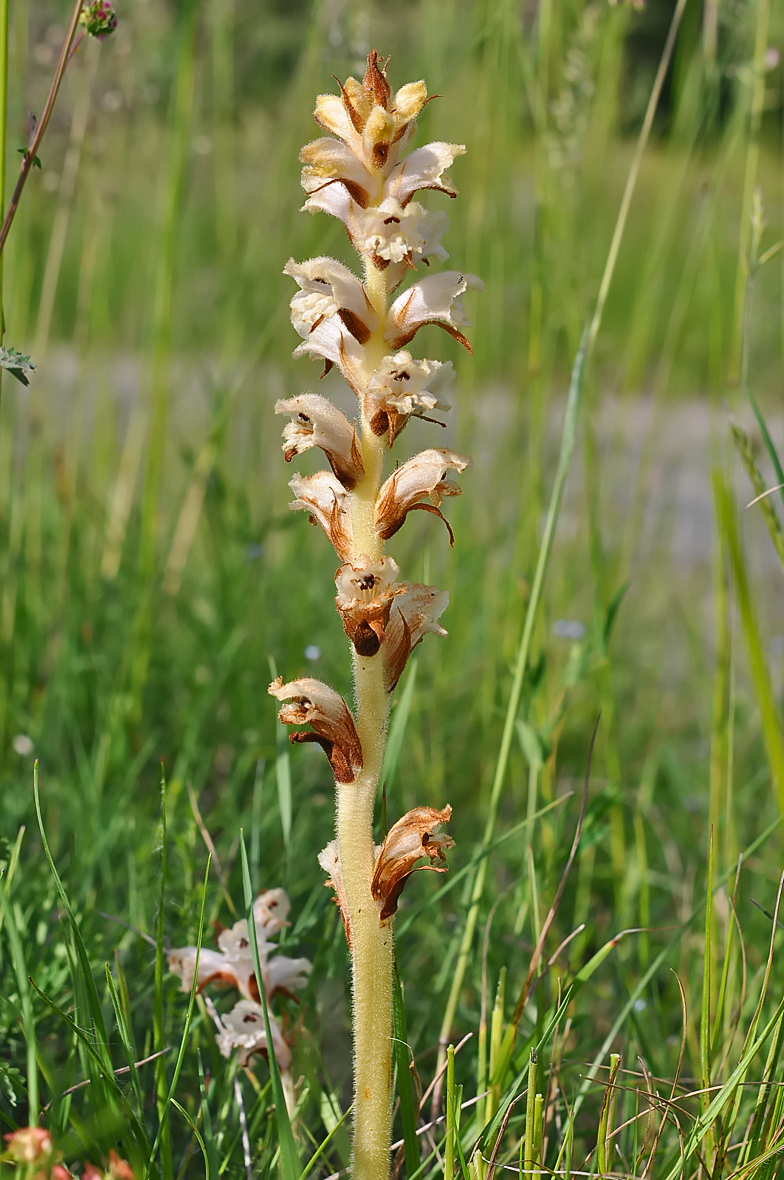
{"points": [[28, 160]]}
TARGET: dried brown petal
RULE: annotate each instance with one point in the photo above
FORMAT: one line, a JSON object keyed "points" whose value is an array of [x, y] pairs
{"points": [[324, 710], [422, 478], [413, 615], [326, 499], [329, 859], [411, 838]]}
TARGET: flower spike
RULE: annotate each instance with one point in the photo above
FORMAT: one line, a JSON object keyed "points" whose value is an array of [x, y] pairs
{"points": [[325, 711]]}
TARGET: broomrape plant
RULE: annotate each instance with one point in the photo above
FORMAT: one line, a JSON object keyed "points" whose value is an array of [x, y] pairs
{"points": [[361, 175]]}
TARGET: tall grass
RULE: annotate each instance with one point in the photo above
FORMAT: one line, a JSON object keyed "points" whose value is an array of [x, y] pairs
{"points": [[149, 574]]}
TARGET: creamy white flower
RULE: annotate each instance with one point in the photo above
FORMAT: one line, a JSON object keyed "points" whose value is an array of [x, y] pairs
{"points": [[413, 837], [425, 477], [270, 911], [394, 233], [434, 300], [315, 422], [328, 288], [327, 161], [331, 341], [401, 387], [212, 967], [324, 710], [364, 598], [424, 168], [325, 498], [414, 614], [243, 1029]]}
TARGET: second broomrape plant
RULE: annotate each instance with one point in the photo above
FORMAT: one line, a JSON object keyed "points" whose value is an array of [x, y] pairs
{"points": [[363, 178]]}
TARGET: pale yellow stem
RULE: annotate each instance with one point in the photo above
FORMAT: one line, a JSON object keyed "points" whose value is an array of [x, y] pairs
{"points": [[372, 944]]}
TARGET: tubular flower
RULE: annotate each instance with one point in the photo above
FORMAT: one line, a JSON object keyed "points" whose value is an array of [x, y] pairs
{"points": [[366, 591], [434, 300], [414, 615], [325, 711], [408, 841], [425, 477], [328, 288], [325, 498], [402, 387], [315, 422]]}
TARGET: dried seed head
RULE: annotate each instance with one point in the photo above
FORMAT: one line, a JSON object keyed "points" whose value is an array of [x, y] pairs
{"points": [[414, 615], [366, 590], [425, 477], [315, 704], [408, 841], [326, 499], [315, 422]]}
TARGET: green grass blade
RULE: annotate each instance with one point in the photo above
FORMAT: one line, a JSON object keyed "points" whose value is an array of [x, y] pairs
{"points": [[28, 1017], [163, 1136], [289, 1161], [772, 452], [405, 1083], [210, 1173]]}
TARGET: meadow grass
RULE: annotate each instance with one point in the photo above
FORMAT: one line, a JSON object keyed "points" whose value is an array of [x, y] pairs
{"points": [[151, 574]]}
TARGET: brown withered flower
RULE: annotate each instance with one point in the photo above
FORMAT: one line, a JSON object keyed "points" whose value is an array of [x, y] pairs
{"points": [[315, 422], [408, 841], [366, 590], [326, 499], [329, 859], [425, 477], [414, 615], [324, 710]]}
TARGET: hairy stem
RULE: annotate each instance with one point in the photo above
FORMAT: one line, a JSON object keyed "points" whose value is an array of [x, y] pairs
{"points": [[372, 942]]}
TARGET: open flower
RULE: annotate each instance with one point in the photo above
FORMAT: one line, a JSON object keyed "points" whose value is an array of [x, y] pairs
{"points": [[29, 1145], [390, 233], [409, 840], [414, 615], [325, 498], [328, 288], [425, 477], [328, 715], [366, 590], [402, 387], [329, 859], [434, 300], [315, 422], [243, 1029]]}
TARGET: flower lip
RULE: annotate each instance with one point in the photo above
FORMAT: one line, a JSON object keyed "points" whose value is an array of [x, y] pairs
{"points": [[324, 710], [414, 836], [401, 388]]}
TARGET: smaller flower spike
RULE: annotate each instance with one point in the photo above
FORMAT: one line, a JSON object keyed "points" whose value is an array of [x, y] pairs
{"points": [[364, 599], [402, 387], [422, 478], [434, 300], [329, 859], [315, 422], [325, 498], [411, 838], [325, 711], [414, 615]]}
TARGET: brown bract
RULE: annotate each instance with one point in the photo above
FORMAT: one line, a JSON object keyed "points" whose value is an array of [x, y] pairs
{"points": [[324, 710], [414, 614], [409, 840], [422, 478], [364, 599]]}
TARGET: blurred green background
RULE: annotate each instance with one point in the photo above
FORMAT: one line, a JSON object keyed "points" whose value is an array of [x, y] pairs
{"points": [[151, 571]]}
